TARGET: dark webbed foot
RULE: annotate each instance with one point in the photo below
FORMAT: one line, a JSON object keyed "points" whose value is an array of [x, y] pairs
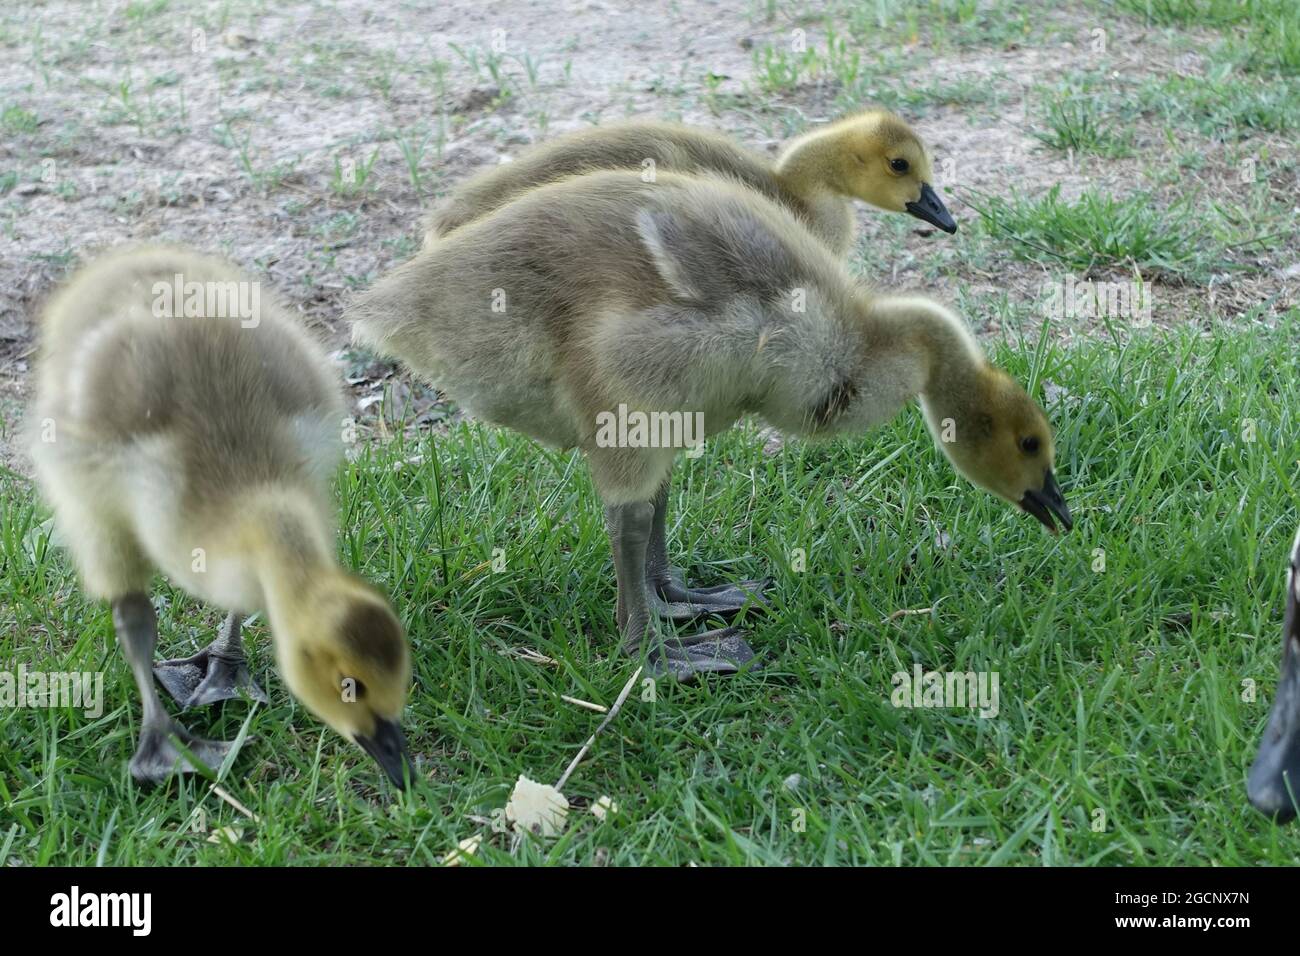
{"points": [[218, 672], [722, 651], [671, 598], [206, 678], [157, 758]]}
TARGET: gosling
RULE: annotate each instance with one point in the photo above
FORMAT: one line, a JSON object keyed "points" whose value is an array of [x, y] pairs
{"points": [[184, 425], [873, 156], [604, 296]]}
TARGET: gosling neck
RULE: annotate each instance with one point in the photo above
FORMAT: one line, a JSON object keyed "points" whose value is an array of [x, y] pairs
{"points": [[291, 548], [808, 172], [951, 364], [807, 166]]}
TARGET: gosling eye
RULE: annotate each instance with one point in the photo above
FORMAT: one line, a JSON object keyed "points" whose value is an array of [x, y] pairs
{"points": [[1029, 444], [898, 165]]}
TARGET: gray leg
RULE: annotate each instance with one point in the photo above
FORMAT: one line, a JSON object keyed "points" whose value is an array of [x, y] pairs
{"points": [[156, 757], [721, 651], [218, 672], [670, 596]]}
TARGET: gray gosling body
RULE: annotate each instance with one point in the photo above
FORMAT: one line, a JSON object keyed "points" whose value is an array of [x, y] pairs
{"points": [[873, 156], [181, 434], [695, 296]]}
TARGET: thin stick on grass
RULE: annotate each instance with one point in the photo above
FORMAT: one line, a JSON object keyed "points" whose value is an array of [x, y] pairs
{"points": [[532, 657], [233, 802], [905, 612], [577, 702], [613, 712]]}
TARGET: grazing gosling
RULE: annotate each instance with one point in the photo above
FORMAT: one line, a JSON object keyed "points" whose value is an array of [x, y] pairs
{"points": [[182, 424], [872, 156], [1274, 783], [696, 298]]}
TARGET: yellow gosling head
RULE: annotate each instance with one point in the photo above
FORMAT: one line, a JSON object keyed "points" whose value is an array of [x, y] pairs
{"points": [[999, 439], [875, 157], [342, 652]]}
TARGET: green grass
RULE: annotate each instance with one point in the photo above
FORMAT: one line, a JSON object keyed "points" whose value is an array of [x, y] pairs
{"points": [[266, 178], [1266, 33], [1223, 105], [1121, 689], [140, 10], [783, 68], [15, 120], [950, 24], [1095, 112], [1101, 231], [1076, 123], [1214, 13], [352, 174]]}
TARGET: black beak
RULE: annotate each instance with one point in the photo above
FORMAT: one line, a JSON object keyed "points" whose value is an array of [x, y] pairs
{"points": [[1048, 503], [931, 208], [1274, 782], [388, 746]]}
